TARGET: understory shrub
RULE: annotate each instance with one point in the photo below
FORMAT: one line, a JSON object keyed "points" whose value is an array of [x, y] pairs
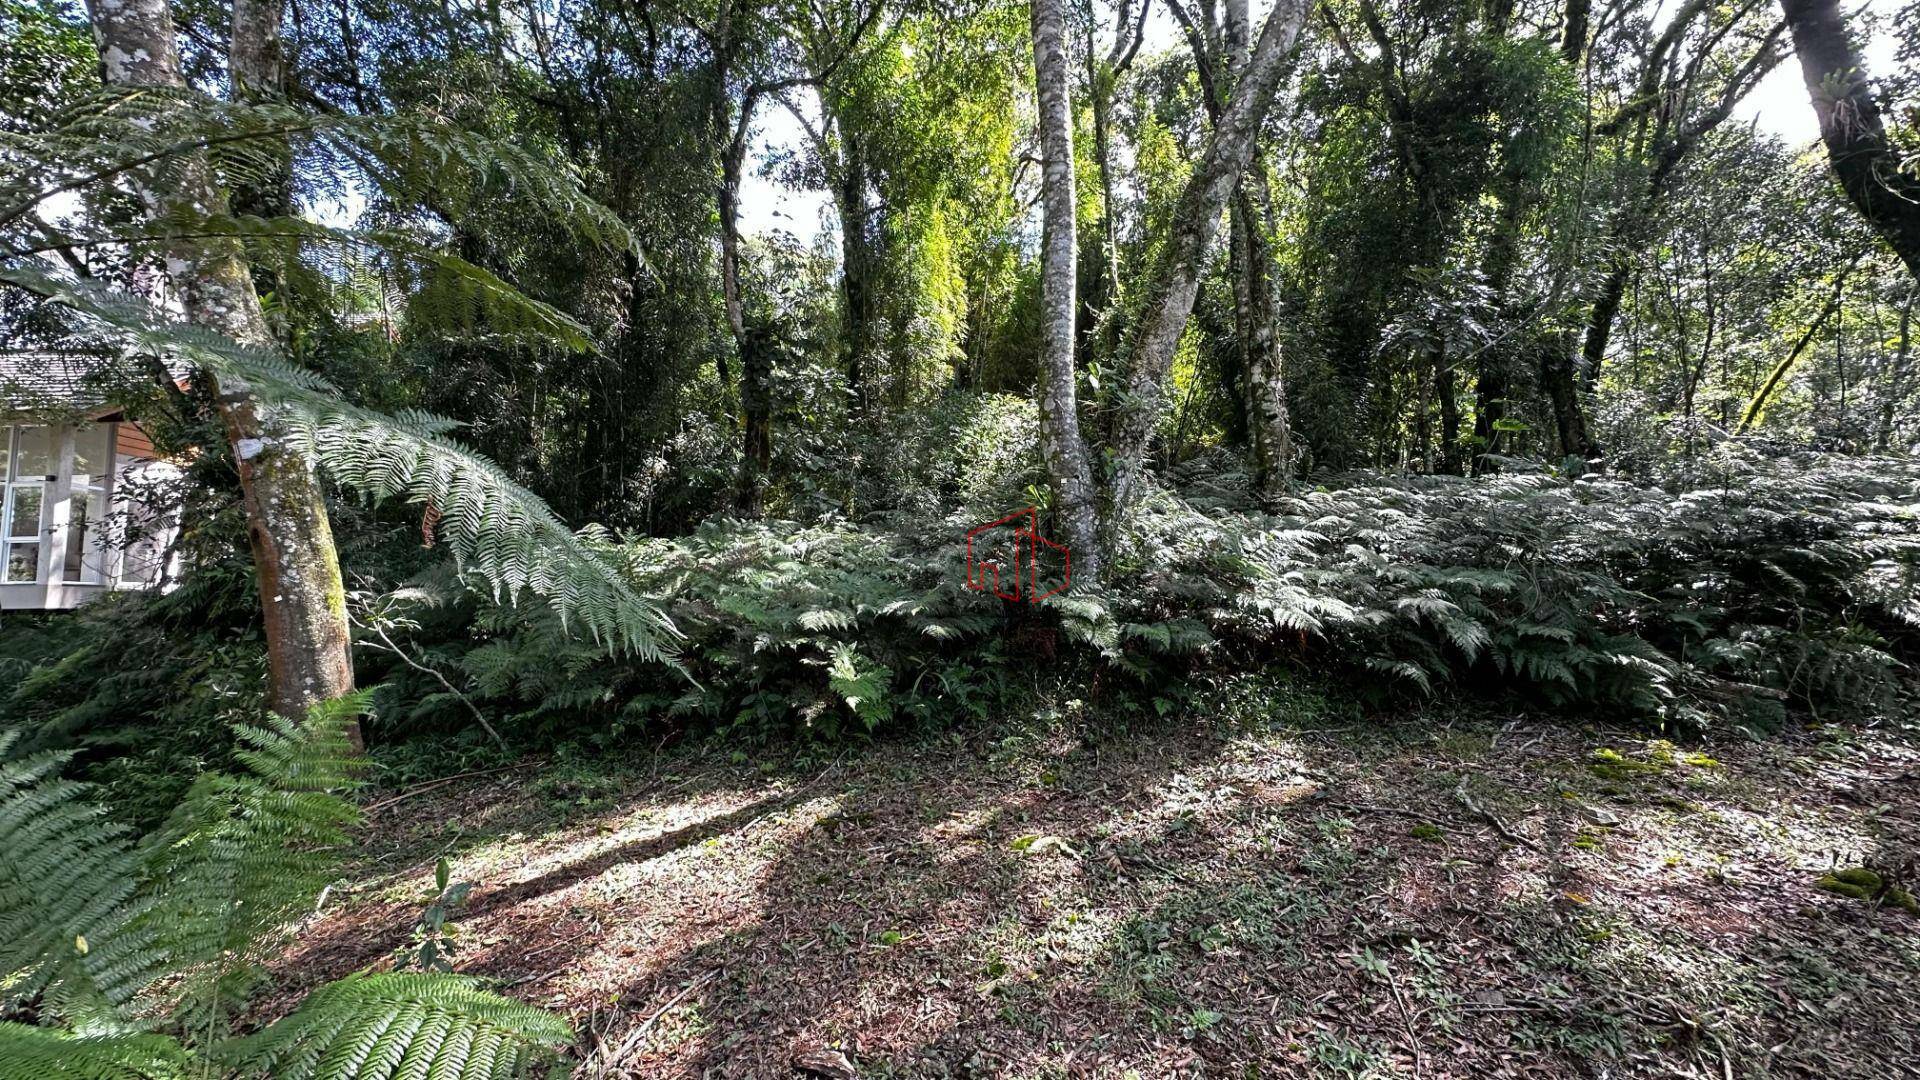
{"points": [[1743, 588], [1738, 590]]}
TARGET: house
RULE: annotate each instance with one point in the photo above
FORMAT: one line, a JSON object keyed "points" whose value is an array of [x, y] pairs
{"points": [[86, 506]]}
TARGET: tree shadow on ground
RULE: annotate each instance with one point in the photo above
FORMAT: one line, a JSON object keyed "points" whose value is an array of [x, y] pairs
{"points": [[1189, 901]]}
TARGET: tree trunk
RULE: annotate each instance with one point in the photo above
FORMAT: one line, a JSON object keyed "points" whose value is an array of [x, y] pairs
{"points": [[1557, 375], [301, 597], [1069, 471], [1443, 388], [756, 429], [1494, 383], [1263, 366], [1573, 32], [752, 346], [1897, 377], [1163, 317], [1868, 165], [856, 271], [727, 199]]}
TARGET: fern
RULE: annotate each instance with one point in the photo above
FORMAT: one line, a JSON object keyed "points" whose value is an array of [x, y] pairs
{"points": [[245, 854], [494, 526], [159, 131], [32, 1053], [67, 896], [224, 877], [420, 1026], [456, 294]]}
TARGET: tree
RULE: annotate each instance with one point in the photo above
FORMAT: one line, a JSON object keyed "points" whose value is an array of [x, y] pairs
{"points": [[1220, 54], [1885, 193], [1672, 110], [1069, 471], [1174, 280], [302, 598]]}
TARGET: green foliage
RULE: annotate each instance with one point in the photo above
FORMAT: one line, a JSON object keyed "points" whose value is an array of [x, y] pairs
{"points": [[413, 1025], [142, 688], [1723, 598], [33, 1053], [246, 853], [1708, 597], [69, 932], [495, 527], [116, 937], [435, 937]]}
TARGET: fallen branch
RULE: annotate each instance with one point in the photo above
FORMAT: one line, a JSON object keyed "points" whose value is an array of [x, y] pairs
{"points": [[421, 789], [627, 1045], [1460, 796]]}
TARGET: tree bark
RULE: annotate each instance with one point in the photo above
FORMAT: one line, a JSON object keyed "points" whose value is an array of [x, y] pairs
{"points": [[1897, 377], [1268, 423], [1176, 281], [727, 201], [756, 412], [857, 264], [1069, 470], [1868, 165], [1103, 78], [1494, 383], [753, 346], [1562, 385], [301, 597]]}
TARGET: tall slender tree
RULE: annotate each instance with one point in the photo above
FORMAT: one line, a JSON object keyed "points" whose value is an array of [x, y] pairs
{"points": [[1069, 470], [1175, 278]]}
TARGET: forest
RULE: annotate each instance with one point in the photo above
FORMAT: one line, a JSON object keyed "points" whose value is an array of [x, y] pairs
{"points": [[959, 539]]}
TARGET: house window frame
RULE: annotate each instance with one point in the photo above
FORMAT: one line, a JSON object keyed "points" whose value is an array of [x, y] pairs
{"points": [[9, 486], [74, 495]]}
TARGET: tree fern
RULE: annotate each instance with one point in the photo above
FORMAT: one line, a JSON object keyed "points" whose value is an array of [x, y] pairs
{"points": [[33, 1053], [117, 131], [245, 854], [494, 526], [417, 1026], [457, 297]]}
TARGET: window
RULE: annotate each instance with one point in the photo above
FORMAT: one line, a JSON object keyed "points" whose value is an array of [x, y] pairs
{"points": [[26, 472], [84, 561]]}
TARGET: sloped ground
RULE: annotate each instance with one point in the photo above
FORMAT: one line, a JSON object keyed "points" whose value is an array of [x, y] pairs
{"points": [[1446, 896]]}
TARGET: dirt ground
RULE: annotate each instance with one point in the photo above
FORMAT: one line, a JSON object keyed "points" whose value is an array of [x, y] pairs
{"points": [[1445, 896]]}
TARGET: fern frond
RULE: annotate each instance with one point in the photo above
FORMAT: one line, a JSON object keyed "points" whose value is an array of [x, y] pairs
{"points": [[494, 526], [158, 131], [244, 855], [414, 1025], [464, 297], [67, 882], [32, 1053]]}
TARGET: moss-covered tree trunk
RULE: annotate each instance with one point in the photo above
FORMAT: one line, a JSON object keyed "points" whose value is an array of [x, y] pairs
{"points": [[301, 597], [1868, 164]]}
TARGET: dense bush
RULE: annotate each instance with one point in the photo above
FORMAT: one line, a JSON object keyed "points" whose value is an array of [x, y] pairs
{"points": [[1733, 591], [1727, 588]]}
